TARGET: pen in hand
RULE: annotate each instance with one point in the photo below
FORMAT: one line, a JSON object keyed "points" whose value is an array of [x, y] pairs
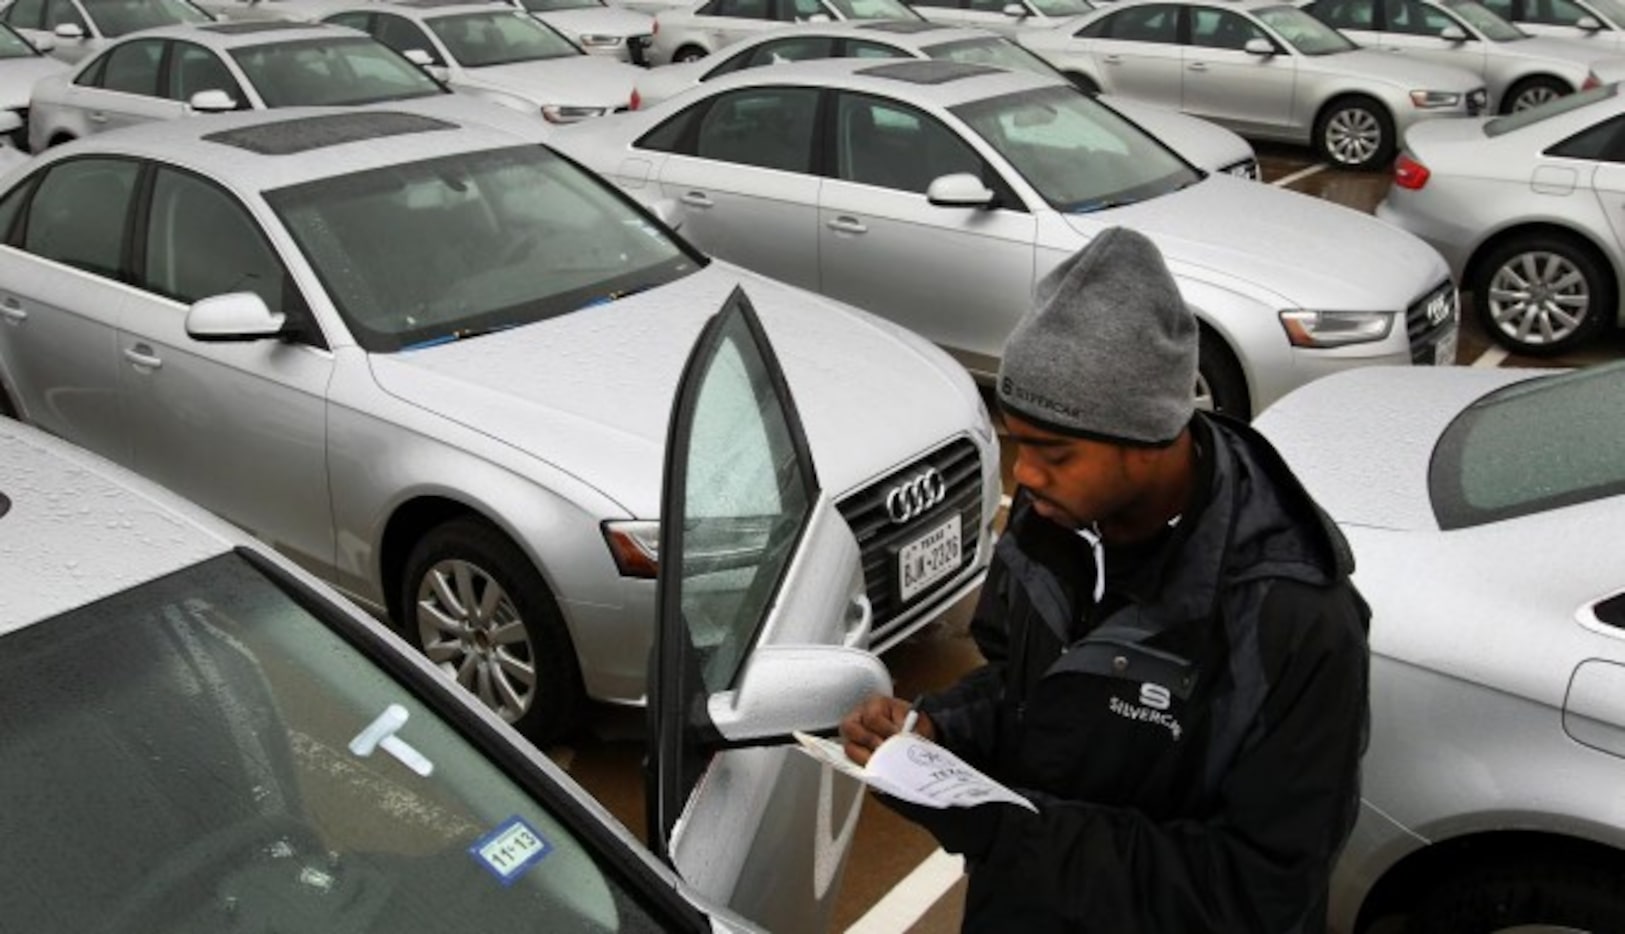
{"points": [[912, 717]]}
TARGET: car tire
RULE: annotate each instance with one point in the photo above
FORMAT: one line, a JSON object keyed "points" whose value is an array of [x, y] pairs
{"points": [[688, 53], [1355, 133], [1533, 91], [1083, 83], [447, 578], [1561, 894], [1517, 296], [1220, 384]]}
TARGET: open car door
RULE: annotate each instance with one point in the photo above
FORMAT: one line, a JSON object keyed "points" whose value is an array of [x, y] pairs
{"points": [[761, 610]]}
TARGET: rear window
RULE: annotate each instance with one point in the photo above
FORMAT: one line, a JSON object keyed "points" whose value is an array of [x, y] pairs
{"points": [[1533, 446], [1552, 108]]}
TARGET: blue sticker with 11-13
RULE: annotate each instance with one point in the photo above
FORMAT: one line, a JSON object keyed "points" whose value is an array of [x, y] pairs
{"points": [[510, 849]]}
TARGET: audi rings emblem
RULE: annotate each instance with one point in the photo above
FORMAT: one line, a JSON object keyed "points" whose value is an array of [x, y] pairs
{"points": [[916, 496]]}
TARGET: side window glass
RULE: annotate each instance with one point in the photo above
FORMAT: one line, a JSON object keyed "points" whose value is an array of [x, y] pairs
{"points": [[193, 68], [92, 77], [1152, 23], [1415, 19], [58, 12], [201, 243], [133, 67], [78, 211], [11, 207], [744, 9], [1221, 29], [860, 48], [25, 14], [883, 143], [403, 35], [791, 50], [988, 6], [351, 21], [766, 127], [1345, 14], [675, 133], [1501, 8], [1552, 12], [1604, 142], [803, 10]]}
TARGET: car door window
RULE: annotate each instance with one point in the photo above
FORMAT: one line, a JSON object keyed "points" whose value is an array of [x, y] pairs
{"points": [[133, 67], [741, 9], [62, 12], [1550, 12], [201, 243], [25, 14], [1414, 18], [800, 11], [1150, 23], [78, 211], [884, 143], [403, 35], [1604, 142], [192, 68], [1501, 8], [860, 48], [795, 49], [1345, 14], [1222, 29], [767, 127]]}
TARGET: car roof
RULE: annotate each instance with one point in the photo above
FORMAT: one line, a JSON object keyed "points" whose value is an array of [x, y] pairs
{"points": [[923, 81], [429, 9], [237, 34], [1247, 5], [75, 528], [911, 34], [268, 149]]}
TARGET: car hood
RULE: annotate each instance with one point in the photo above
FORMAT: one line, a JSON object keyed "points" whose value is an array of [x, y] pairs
{"points": [[1311, 254], [1545, 49], [1340, 433], [17, 77], [574, 80], [590, 392], [1203, 144], [610, 21], [657, 84], [1406, 71]]}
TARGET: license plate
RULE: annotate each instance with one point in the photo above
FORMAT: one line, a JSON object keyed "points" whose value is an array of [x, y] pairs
{"points": [[1444, 352], [928, 559]]}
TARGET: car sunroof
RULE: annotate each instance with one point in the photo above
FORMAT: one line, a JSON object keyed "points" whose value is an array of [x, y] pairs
{"points": [[928, 71], [303, 134]]}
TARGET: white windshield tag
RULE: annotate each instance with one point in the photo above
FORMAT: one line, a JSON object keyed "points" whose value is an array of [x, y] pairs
{"points": [[380, 734]]}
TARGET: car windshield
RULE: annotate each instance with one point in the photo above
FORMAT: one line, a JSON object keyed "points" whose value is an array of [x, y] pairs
{"points": [[992, 50], [553, 6], [327, 71], [1530, 447], [1480, 18], [244, 757], [117, 17], [500, 37], [13, 45], [1060, 8], [1079, 155], [1555, 107], [459, 246], [873, 9], [1303, 32], [1612, 9]]}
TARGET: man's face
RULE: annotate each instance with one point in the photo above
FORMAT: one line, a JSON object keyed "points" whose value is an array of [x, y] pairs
{"points": [[1075, 481]]}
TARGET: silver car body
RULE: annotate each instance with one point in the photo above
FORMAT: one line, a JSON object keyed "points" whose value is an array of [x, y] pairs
{"points": [[1205, 145], [1284, 95], [20, 68], [1486, 189], [1599, 24], [564, 85], [341, 457], [1009, 17], [963, 276], [600, 29], [77, 29], [1497, 699], [689, 33], [224, 658], [1512, 64]]}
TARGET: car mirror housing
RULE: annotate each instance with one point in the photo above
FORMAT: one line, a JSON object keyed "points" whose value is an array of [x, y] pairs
{"points": [[10, 122], [418, 57], [236, 316], [959, 190], [1260, 47], [785, 688], [1015, 11], [1453, 34], [69, 31], [212, 101], [669, 213], [1589, 23]]}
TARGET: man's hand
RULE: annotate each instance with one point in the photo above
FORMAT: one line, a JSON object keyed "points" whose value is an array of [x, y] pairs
{"points": [[876, 719]]}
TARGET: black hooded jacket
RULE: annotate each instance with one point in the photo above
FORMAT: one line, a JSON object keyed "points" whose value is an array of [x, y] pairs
{"points": [[1192, 742]]}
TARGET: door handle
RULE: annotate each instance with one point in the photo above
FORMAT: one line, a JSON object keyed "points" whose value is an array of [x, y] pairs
{"points": [[96, 116], [141, 355], [1198, 66], [849, 225], [12, 310], [1112, 59], [698, 199]]}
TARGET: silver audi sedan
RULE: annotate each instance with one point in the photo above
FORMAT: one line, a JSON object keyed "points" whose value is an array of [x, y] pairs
{"points": [[1525, 208], [433, 362], [77, 29], [1596, 23], [1207, 145], [936, 193], [1483, 507], [1262, 68], [1518, 69], [690, 34]]}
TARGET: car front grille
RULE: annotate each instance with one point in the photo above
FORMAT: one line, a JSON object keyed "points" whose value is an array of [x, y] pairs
{"points": [[880, 538], [19, 136], [637, 48], [1430, 319], [1477, 100]]}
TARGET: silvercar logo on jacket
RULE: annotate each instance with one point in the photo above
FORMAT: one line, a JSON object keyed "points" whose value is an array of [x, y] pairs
{"points": [[1154, 701], [1009, 388]]}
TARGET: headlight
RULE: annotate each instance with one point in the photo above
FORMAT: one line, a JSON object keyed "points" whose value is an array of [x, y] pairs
{"points": [[635, 545], [723, 544], [1335, 328], [559, 113], [1433, 100], [599, 41]]}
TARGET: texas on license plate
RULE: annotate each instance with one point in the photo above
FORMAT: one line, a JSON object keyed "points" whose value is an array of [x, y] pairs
{"points": [[928, 559]]}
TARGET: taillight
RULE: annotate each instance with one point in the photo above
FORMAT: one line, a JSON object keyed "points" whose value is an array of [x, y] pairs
{"points": [[1591, 81], [635, 101], [654, 27], [1410, 174]]}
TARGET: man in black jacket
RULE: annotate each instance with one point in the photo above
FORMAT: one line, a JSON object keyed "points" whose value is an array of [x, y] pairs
{"points": [[1176, 658]]}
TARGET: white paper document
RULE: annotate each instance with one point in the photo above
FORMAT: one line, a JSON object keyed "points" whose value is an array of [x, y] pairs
{"points": [[910, 767]]}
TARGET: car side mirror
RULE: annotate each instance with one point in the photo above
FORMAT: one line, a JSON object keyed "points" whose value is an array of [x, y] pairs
{"points": [[235, 316], [1015, 11], [828, 681], [43, 44], [1260, 47], [72, 31], [819, 18], [1589, 23], [1453, 34], [419, 57], [212, 101], [10, 122], [959, 190]]}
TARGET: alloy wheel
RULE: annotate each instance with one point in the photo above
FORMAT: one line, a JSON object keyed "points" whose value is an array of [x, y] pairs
{"points": [[468, 625], [1534, 97], [1353, 136], [1539, 298]]}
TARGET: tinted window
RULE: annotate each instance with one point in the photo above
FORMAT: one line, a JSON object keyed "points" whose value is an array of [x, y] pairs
{"points": [[1501, 8], [740, 9], [794, 49], [674, 135], [1345, 14], [884, 143], [767, 127], [77, 215], [1532, 446], [193, 68], [11, 207], [62, 12], [117, 17], [1151, 23], [201, 243], [25, 14], [1603, 142], [1548, 12], [1222, 29], [403, 35], [133, 67]]}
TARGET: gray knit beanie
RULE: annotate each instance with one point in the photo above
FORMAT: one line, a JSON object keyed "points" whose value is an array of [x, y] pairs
{"points": [[1108, 350]]}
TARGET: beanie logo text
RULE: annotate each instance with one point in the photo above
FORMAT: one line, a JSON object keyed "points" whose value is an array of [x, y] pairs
{"points": [[1010, 390]]}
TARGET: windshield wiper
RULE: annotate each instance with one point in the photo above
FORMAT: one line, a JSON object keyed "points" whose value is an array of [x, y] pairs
{"points": [[461, 334], [618, 294]]}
